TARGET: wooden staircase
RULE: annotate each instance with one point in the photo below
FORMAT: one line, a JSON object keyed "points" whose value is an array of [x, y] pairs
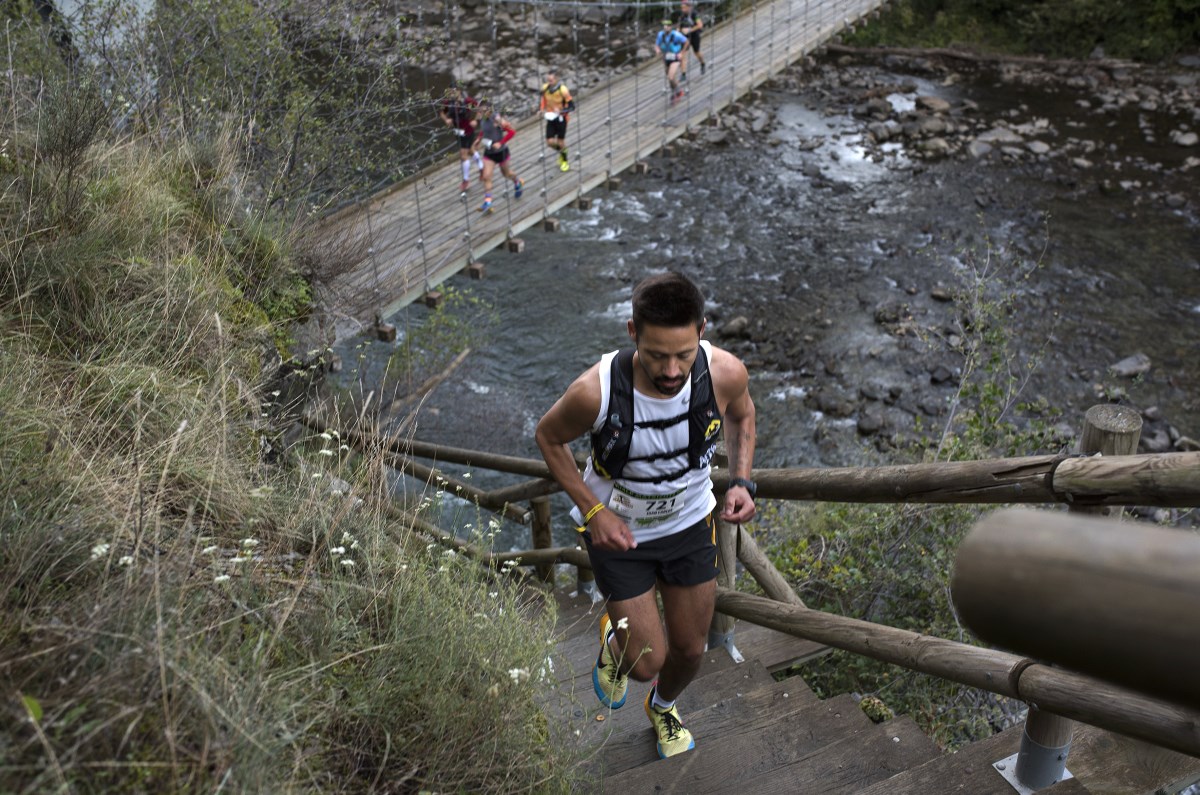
{"points": [[756, 734]]}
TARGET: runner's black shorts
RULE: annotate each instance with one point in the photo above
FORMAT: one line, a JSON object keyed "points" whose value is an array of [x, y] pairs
{"points": [[694, 40], [556, 128], [688, 557]]}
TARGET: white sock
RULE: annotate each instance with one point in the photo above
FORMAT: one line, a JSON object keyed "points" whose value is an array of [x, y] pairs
{"points": [[466, 166], [478, 161], [658, 703]]}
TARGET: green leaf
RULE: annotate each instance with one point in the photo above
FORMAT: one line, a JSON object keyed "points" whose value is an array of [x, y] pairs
{"points": [[32, 707]]}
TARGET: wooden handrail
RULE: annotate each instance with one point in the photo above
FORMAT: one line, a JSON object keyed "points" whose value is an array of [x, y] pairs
{"points": [[1116, 600], [1064, 693], [1162, 479]]}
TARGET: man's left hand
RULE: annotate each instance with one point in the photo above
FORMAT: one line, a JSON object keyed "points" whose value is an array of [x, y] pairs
{"points": [[739, 505]]}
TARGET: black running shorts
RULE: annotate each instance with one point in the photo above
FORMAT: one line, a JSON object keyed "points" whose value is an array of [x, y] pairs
{"points": [[688, 557]]}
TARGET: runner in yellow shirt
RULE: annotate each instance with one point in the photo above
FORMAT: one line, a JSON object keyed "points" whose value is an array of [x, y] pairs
{"points": [[556, 105]]}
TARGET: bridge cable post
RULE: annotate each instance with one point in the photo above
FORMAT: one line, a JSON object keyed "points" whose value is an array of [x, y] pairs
{"points": [[609, 70], [548, 223], [1108, 430], [753, 42], [575, 52], [637, 101]]}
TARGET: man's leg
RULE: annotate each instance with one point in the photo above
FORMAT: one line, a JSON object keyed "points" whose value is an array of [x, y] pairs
{"points": [[688, 610], [640, 648], [488, 166]]}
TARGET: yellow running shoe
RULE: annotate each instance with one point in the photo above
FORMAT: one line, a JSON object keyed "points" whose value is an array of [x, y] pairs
{"points": [[610, 684], [564, 165], [672, 737]]}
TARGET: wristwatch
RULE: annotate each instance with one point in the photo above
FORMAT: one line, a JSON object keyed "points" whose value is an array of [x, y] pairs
{"points": [[748, 485]]}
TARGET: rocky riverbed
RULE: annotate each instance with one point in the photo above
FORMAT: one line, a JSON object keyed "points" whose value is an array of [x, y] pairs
{"points": [[853, 223], [1127, 145]]}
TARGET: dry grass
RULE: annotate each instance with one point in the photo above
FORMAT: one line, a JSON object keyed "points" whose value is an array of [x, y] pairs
{"points": [[179, 616]]}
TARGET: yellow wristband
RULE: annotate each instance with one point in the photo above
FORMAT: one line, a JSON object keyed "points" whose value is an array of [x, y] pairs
{"points": [[597, 508]]}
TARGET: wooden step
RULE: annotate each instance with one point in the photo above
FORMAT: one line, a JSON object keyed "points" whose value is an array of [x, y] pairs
{"points": [[752, 745], [735, 712], [968, 771], [575, 707], [848, 765], [575, 653]]}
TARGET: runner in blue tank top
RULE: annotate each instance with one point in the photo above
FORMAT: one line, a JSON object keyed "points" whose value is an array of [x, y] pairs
{"points": [[669, 45]]}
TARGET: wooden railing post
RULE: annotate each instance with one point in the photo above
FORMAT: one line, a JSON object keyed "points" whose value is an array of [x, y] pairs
{"points": [[720, 632], [1109, 430], [542, 537]]}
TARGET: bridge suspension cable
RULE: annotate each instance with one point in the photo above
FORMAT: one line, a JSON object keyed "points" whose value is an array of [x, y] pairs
{"points": [[620, 95]]}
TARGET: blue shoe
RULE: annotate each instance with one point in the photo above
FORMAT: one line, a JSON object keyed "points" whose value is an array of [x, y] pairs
{"points": [[518, 188], [607, 680], [486, 207]]}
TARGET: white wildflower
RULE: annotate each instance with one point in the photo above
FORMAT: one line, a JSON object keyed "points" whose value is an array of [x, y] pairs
{"points": [[337, 551], [345, 448], [209, 550], [99, 551], [325, 452], [623, 622], [221, 578], [519, 675], [126, 560], [326, 436], [348, 563], [249, 543]]}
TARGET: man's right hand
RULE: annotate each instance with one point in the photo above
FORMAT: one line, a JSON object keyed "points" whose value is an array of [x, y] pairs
{"points": [[608, 531]]}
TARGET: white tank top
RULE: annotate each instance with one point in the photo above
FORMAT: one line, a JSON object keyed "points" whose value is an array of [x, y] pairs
{"points": [[653, 510]]}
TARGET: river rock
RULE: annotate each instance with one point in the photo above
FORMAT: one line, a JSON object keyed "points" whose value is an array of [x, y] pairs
{"points": [[998, 136], [1180, 138], [933, 104], [871, 419], [1156, 440], [736, 328], [717, 137], [1038, 147], [978, 149], [941, 374], [1131, 366]]}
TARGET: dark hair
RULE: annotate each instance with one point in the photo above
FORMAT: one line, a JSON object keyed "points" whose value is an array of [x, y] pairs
{"points": [[669, 300]]}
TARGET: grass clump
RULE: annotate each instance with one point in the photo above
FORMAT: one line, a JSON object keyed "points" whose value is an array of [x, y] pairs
{"points": [[179, 616]]}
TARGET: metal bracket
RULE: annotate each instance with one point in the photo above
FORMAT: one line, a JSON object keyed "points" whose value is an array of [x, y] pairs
{"points": [[726, 640], [1007, 767], [591, 591]]}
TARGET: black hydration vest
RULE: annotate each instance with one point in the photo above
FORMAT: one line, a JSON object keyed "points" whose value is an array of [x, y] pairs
{"points": [[610, 444]]}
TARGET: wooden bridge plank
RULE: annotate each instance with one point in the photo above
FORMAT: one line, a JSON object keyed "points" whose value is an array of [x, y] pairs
{"points": [[421, 231]]}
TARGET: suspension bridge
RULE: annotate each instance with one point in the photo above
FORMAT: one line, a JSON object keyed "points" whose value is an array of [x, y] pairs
{"points": [[406, 239]]}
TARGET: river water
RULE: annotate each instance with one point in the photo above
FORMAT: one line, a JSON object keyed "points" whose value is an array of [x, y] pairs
{"points": [[840, 256]]}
